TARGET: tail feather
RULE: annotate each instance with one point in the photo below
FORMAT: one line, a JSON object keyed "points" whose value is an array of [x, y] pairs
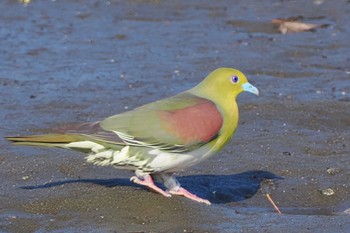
{"points": [[78, 142], [48, 140]]}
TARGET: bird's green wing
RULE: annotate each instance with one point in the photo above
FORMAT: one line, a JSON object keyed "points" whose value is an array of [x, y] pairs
{"points": [[177, 124]]}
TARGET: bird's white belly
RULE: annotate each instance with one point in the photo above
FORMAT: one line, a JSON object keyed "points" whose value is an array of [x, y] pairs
{"points": [[165, 161], [156, 160]]}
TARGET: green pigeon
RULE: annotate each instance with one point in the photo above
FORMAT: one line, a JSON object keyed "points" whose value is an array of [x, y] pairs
{"points": [[162, 137]]}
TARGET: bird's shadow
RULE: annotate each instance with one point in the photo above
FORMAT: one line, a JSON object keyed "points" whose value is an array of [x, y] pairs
{"points": [[215, 188]]}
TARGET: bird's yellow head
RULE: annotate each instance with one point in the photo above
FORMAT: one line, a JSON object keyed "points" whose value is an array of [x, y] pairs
{"points": [[224, 84]]}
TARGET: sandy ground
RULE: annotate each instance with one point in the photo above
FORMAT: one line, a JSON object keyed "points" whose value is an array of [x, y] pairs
{"points": [[73, 61]]}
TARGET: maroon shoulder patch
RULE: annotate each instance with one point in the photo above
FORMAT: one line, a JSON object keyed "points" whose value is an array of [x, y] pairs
{"points": [[197, 123]]}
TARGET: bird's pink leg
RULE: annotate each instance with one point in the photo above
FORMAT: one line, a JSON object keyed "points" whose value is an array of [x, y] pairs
{"points": [[148, 182], [183, 192]]}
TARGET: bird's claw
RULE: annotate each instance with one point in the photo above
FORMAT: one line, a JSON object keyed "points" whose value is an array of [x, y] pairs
{"points": [[183, 192], [148, 182]]}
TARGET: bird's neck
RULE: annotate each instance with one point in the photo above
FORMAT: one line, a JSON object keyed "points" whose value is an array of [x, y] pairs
{"points": [[230, 122], [228, 108]]}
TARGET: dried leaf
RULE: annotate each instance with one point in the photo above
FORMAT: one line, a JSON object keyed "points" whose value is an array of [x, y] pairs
{"points": [[291, 25], [24, 2]]}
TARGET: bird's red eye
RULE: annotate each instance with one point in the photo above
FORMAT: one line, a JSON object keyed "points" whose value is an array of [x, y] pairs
{"points": [[234, 79]]}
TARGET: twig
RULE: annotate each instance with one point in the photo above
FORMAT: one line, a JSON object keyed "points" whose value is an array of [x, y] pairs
{"points": [[268, 196]]}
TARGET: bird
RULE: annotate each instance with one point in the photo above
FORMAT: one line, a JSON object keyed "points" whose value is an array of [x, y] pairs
{"points": [[160, 138]]}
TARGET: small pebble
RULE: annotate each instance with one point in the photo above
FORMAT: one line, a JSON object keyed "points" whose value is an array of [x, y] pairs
{"points": [[318, 2], [267, 186], [333, 171], [120, 36], [347, 211], [328, 192]]}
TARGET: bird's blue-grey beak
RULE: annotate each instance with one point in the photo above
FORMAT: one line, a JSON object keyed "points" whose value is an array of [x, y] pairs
{"points": [[250, 88]]}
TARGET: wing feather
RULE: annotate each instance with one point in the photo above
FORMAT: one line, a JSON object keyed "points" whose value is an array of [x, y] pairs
{"points": [[177, 124]]}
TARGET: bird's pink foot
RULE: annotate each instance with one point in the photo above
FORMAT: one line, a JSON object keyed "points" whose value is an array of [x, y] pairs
{"points": [[185, 193], [148, 182]]}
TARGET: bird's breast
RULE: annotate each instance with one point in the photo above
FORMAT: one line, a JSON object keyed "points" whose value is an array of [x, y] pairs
{"points": [[199, 123]]}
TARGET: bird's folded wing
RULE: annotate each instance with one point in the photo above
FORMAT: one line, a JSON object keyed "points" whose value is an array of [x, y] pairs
{"points": [[176, 124]]}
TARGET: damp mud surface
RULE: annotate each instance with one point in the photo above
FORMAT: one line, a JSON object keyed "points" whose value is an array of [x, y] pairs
{"points": [[76, 61]]}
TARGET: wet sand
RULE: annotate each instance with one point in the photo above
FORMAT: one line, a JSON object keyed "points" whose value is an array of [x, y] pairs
{"points": [[76, 61]]}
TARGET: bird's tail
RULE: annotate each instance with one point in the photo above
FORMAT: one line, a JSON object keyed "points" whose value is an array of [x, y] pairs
{"points": [[48, 140], [82, 137]]}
